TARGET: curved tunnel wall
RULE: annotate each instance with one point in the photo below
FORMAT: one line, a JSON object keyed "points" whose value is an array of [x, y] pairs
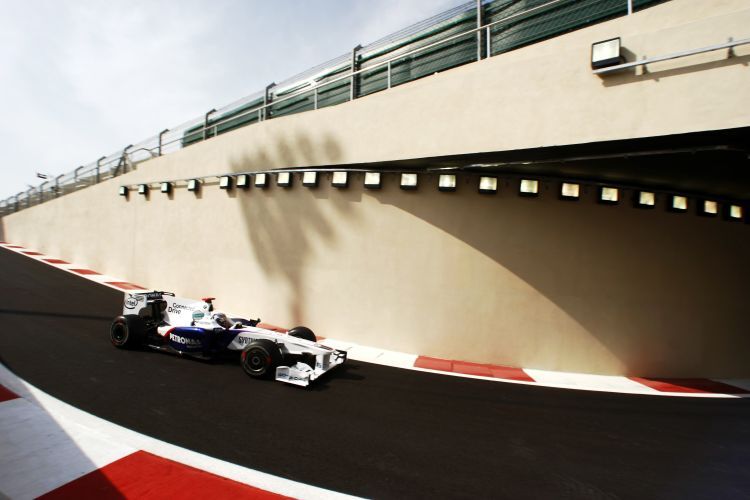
{"points": [[538, 282]]}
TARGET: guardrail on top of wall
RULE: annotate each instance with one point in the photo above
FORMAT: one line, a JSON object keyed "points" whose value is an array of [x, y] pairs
{"points": [[464, 34]]}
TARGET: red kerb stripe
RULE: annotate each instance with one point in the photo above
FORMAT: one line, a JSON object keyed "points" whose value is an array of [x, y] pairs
{"points": [[472, 368], [444, 365], [84, 271], [143, 475], [125, 285], [689, 385], [14, 246], [55, 261], [478, 369], [6, 394], [510, 373], [29, 252]]}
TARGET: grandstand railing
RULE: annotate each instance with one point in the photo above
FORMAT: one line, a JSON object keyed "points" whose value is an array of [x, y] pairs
{"points": [[464, 34]]}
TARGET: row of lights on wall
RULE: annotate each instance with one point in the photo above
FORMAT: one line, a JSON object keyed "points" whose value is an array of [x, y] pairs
{"points": [[447, 183]]}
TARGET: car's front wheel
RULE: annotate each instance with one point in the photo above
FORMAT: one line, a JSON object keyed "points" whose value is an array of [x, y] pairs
{"points": [[127, 331], [260, 358]]}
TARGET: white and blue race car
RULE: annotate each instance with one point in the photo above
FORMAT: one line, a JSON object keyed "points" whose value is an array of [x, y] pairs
{"points": [[188, 327]]}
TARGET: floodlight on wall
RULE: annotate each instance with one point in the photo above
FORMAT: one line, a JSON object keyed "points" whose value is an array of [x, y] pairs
{"points": [[372, 180], [709, 208], [243, 181], [225, 182], [488, 185], [310, 179], [261, 180], [143, 189], [409, 181], [610, 195], [678, 203], [166, 187], [645, 199], [284, 179], [193, 185], [570, 191], [123, 191], [340, 179], [529, 187], [447, 182], [606, 53]]}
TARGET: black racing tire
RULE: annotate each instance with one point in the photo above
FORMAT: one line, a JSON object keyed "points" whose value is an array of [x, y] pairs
{"points": [[303, 332], [127, 332], [260, 358]]}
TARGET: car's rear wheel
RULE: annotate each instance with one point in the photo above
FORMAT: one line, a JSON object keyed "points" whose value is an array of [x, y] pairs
{"points": [[260, 358], [127, 331], [302, 332]]}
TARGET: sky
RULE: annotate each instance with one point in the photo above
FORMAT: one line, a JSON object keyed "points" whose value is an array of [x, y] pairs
{"points": [[81, 79]]}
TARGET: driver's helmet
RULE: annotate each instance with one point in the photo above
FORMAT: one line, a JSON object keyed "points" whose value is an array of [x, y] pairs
{"points": [[222, 320]]}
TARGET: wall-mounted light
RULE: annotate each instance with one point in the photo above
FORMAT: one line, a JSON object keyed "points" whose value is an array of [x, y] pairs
{"points": [[735, 212], [123, 191], [645, 199], [447, 182], [261, 180], [678, 204], [310, 179], [372, 180], [166, 187], [488, 185], [284, 179], [609, 195], [243, 181], [143, 189], [529, 187], [193, 185], [570, 191], [708, 208], [225, 182], [409, 181], [606, 53], [340, 179]]}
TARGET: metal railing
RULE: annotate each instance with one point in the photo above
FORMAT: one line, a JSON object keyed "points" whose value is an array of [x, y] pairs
{"points": [[174, 138]]}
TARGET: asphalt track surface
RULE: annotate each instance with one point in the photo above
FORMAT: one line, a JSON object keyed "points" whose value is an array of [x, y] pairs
{"points": [[370, 430]]}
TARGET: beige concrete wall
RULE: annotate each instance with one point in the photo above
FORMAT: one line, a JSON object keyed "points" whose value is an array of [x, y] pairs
{"points": [[527, 282]]}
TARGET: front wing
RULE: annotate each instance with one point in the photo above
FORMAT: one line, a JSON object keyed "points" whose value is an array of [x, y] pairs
{"points": [[302, 374]]}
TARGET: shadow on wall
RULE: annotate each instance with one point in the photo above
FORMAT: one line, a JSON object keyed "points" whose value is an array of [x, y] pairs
{"points": [[657, 289], [2, 229], [283, 227], [645, 72]]}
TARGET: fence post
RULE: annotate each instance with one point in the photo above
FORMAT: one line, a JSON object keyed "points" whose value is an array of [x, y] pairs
{"points": [[267, 99], [98, 168], [75, 177], [205, 123], [57, 184], [353, 68], [479, 32], [161, 134]]}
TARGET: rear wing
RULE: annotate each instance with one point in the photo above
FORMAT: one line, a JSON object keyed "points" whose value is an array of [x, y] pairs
{"points": [[175, 311]]}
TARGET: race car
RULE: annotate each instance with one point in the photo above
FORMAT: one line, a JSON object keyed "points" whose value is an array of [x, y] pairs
{"points": [[187, 327]]}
